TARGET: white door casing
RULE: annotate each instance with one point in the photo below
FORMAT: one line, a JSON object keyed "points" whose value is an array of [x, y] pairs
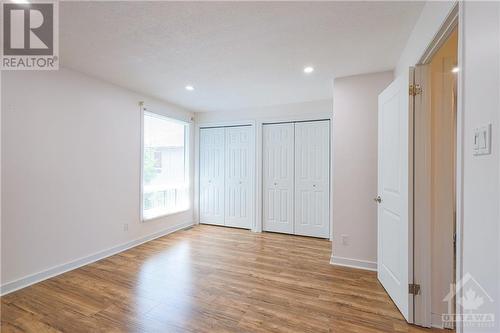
{"points": [[278, 177], [312, 178], [239, 180], [212, 176], [422, 189], [394, 232]]}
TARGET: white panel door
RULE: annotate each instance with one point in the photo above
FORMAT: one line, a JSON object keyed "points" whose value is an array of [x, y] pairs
{"points": [[312, 178], [239, 177], [278, 177], [394, 252], [212, 176]]}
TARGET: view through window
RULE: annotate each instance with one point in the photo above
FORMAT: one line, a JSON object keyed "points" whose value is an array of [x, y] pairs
{"points": [[165, 166]]}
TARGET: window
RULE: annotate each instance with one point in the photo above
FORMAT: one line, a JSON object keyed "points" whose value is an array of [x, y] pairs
{"points": [[165, 176]]}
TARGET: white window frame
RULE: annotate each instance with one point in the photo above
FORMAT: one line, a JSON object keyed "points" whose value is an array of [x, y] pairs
{"points": [[187, 164]]}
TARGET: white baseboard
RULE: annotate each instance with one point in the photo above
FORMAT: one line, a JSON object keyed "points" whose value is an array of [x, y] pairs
{"points": [[60, 269], [354, 263]]}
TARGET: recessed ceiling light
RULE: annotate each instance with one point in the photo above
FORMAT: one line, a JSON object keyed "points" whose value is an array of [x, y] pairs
{"points": [[455, 69], [189, 88], [308, 69]]}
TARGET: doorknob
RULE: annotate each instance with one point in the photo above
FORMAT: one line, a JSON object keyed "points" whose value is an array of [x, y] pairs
{"points": [[378, 199]]}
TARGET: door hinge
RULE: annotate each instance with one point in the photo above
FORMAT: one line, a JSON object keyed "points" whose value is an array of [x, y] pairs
{"points": [[415, 89], [414, 289]]}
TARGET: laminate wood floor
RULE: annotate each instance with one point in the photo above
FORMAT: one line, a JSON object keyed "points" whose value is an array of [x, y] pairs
{"points": [[209, 279]]}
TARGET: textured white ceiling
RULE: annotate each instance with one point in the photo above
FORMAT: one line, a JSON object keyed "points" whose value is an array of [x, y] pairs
{"points": [[236, 54]]}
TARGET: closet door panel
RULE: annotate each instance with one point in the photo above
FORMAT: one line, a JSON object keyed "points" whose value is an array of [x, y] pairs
{"points": [[312, 178], [278, 177], [212, 175], [239, 177]]}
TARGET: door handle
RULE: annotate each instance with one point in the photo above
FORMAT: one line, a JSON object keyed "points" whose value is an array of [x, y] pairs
{"points": [[378, 199]]}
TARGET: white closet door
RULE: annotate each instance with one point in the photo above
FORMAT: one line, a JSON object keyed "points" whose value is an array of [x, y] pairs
{"points": [[278, 177], [239, 180], [212, 176], [312, 178]]}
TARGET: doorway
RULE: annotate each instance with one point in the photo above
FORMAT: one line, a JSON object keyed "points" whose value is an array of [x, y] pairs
{"points": [[434, 183]]}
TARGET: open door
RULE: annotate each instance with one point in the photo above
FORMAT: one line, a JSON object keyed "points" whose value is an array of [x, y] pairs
{"points": [[395, 233]]}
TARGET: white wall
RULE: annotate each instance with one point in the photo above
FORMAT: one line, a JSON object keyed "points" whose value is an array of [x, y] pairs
{"points": [[428, 25], [355, 131], [71, 171], [481, 179]]}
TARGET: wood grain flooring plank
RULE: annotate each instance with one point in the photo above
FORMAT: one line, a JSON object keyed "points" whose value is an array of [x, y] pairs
{"points": [[209, 279]]}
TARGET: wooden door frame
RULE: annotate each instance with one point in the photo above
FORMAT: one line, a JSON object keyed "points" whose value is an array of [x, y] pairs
{"points": [[422, 227], [421, 197]]}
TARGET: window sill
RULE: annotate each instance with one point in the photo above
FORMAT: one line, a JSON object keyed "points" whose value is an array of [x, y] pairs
{"points": [[147, 219]]}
